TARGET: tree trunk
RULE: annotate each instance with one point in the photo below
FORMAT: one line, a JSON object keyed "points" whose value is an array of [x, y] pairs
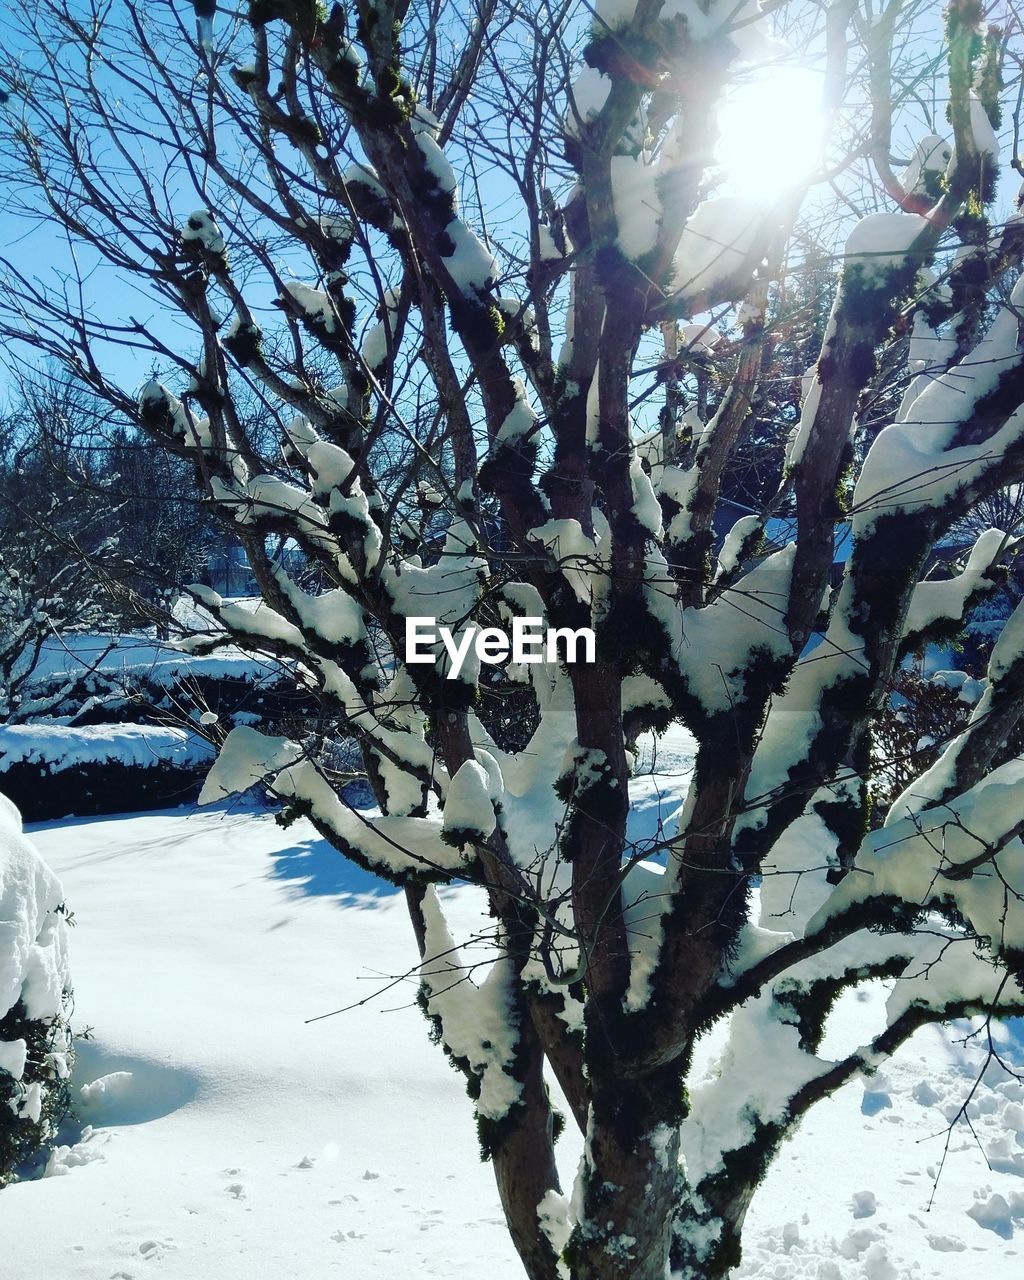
{"points": [[630, 1180], [524, 1163], [708, 1225], [706, 1245]]}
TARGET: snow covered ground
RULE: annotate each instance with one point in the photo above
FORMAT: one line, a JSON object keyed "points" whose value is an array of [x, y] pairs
{"points": [[230, 1137]]}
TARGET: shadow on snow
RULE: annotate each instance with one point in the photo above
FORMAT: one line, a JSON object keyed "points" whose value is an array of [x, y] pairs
{"points": [[314, 867]]}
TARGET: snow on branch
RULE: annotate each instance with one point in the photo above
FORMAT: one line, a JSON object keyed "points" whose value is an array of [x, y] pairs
{"points": [[958, 432], [396, 847], [948, 601], [963, 853], [477, 1023]]}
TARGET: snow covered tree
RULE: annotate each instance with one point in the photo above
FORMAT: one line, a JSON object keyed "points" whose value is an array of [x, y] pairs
{"points": [[507, 233], [58, 547]]}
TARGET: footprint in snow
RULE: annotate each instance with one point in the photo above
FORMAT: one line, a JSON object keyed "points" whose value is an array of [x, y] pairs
{"points": [[876, 1094], [864, 1204], [924, 1094], [994, 1214], [946, 1244], [154, 1248]]}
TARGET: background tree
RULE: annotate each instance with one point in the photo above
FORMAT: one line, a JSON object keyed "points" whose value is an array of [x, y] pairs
{"points": [[59, 556], [490, 229]]}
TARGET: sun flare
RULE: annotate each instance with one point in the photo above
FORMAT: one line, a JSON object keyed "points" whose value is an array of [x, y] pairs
{"points": [[770, 136]]}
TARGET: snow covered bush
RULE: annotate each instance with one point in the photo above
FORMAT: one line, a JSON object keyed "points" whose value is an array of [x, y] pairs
{"points": [[35, 995], [53, 770], [510, 243], [913, 725]]}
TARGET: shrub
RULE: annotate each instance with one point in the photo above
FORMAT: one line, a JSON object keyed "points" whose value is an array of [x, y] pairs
{"points": [[35, 999]]}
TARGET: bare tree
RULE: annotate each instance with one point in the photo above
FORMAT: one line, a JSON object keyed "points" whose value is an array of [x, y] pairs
{"points": [[59, 555], [503, 231]]}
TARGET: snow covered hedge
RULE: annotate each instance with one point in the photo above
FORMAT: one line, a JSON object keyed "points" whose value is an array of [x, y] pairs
{"points": [[35, 996], [52, 770], [140, 680]]}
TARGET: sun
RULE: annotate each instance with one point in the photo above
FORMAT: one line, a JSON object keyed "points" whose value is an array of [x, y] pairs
{"points": [[770, 132]]}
